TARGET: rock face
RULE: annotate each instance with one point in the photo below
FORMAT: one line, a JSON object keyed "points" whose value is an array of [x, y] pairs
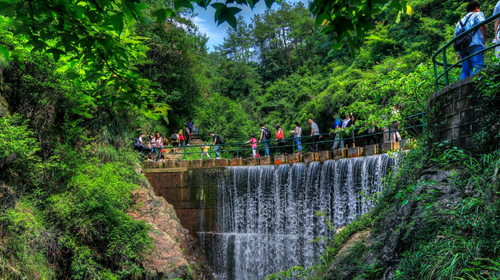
{"points": [[176, 253], [396, 231]]}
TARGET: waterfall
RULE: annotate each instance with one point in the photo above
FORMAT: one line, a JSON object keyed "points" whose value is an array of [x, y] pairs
{"points": [[266, 215]]}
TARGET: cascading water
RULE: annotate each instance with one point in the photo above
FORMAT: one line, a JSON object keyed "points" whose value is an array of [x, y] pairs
{"points": [[266, 215]]}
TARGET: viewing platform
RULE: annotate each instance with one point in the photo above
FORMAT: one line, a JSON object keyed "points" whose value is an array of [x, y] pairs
{"points": [[182, 165]]}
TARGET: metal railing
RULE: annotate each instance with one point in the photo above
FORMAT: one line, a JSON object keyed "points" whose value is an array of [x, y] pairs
{"points": [[240, 148], [443, 49]]}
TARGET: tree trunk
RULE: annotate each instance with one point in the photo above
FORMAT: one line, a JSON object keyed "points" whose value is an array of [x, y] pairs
{"points": [[298, 54], [287, 50]]}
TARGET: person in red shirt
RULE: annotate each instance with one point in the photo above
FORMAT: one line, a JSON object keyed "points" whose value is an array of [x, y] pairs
{"points": [[281, 139], [181, 138]]}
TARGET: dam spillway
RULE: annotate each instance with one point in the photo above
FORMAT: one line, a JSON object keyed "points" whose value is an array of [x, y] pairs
{"points": [[263, 219]]}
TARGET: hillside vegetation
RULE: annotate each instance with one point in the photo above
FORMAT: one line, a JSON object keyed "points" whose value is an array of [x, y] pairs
{"points": [[67, 129]]}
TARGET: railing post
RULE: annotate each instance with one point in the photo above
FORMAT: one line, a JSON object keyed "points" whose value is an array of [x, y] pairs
{"points": [[185, 147], [423, 122], [445, 65], [435, 75], [237, 150], [293, 143], [390, 125]]}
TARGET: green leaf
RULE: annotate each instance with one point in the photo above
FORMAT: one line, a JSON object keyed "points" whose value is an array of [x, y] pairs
{"points": [[56, 53], [117, 22], [225, 14], [7, 9], [269, 3], [141, 6], [162, 14], [182, 4], [4, 51]]}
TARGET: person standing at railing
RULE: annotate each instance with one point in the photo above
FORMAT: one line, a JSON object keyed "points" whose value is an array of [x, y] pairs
{"points": [[253, 140], [314, 135], [265, 136], [152, 142], [474, 17], [336, 127], [497, 35], [175, 141], [349, 140], [395, 136], [187, 134], [216, 143], [280, 137], [297, 134]]}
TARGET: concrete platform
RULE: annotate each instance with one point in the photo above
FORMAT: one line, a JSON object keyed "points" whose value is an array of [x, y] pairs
{"points": [[280, 159], [169, 164], [371, 150], [252, 161], [265, 160], [237, 162], [308, 157], [210, 162], [293, 158], [324, 155], [356, 152], [197, 163], [389, 146], [222, 162], [340, 153], [184, 163]]}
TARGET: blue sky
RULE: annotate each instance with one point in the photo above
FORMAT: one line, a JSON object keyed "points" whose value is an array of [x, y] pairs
{"points": [[206, 23]]}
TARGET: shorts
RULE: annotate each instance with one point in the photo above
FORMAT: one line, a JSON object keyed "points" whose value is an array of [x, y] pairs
{"points": [[175, 144]]}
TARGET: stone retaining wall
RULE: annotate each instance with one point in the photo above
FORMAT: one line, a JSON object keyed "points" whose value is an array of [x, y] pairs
{"points": [[452, 114]]}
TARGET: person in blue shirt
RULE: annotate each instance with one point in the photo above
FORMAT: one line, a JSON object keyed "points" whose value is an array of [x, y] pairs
{"points": [[497, 33], [190, 124], [139, 145], [337, 127], [473, 17]]}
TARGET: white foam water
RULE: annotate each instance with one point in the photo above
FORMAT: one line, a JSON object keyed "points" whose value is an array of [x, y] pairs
{"points": [[266, 215]]}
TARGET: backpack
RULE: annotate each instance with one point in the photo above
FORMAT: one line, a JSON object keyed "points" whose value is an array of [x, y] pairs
{"points": [[220, 140], [175, 137], [267, 133], [465, 41]]}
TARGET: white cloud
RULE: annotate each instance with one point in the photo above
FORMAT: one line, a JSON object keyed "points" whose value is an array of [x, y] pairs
{"points": [[216, 34]]}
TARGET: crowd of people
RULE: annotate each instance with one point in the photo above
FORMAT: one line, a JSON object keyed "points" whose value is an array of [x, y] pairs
{"points": [[345, 137], [476, 41], [156, 144]]}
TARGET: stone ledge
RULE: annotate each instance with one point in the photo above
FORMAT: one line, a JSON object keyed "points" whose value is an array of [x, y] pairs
{"points": [[237, 162], [324, 155], [265, 160], [308, 157], [293, 158], [280, 159], [389, 146], [165, 170], [340, 153], [371, 150], [355, 152], [252, 161]]}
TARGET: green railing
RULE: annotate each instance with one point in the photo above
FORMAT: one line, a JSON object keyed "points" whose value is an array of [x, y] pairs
{"points": [[239, 148], [446, 66]]}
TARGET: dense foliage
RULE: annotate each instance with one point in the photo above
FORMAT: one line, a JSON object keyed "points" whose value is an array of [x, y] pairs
{"points": [[84, 78]]}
